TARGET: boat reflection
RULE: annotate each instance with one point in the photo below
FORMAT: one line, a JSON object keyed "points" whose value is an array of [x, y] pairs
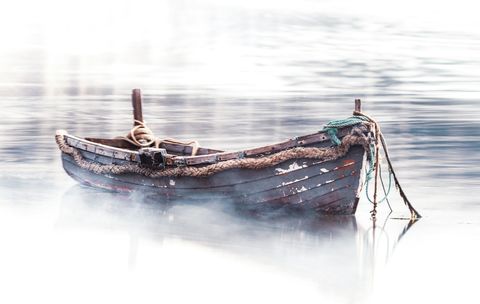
{"points": [[338, 254]]}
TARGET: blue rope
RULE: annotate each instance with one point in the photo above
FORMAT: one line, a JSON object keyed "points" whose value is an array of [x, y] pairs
{"points": [[369, 177]]}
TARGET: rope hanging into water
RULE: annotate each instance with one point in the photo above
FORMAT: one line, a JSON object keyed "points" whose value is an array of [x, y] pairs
{"points": [[379, 140]]}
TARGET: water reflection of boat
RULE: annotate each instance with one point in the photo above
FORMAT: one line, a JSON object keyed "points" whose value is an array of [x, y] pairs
{"points": [[303, 174], [337, 254]]}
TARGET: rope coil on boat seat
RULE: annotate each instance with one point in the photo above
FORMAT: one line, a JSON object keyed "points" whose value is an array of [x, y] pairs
{"points": [[142, 136]]}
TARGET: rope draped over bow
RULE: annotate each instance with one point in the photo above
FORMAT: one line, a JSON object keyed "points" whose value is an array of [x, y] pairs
{"points": [[374, 169]]}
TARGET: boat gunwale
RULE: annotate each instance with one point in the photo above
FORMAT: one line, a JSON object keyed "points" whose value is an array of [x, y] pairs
{"points": [[172, 160]]}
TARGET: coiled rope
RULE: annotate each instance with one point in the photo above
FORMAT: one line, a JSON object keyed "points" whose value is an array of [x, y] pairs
{"points": [[142, 136]]}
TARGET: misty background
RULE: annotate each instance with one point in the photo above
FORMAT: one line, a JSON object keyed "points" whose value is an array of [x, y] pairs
{"points": [[233, 75]]}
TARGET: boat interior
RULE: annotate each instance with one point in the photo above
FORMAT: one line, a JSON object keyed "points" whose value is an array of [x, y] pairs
{"points": [[173, 148]]}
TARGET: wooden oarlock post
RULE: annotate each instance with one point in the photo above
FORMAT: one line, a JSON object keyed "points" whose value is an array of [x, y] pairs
{"points": [[137, 106], [358, 105]]}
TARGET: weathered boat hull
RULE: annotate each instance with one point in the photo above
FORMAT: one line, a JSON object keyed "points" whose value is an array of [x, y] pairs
{"points": [[319, 173], [306, 174], [301, 185]]}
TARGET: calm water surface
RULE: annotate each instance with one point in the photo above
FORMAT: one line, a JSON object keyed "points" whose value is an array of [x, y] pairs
{"points": [[234, 76]]}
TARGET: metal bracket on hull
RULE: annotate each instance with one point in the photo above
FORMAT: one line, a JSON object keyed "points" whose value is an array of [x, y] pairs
{"points": [[152, 157]]}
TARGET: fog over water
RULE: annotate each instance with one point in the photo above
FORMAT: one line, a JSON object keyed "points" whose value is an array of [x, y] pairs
{"points": [[237, 75]]}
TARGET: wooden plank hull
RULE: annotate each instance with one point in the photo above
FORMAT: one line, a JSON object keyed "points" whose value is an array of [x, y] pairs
{"points": [[303, 174], [296, 185]]}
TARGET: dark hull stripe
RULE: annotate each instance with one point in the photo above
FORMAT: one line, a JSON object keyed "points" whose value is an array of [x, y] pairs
{"points": [[298, 197], [254, 191], [264, 184], [304, 184], [336, 202], [326, 193]]}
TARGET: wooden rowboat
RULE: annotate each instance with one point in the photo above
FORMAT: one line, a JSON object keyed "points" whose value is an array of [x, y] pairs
{"points": [[307, 174]]}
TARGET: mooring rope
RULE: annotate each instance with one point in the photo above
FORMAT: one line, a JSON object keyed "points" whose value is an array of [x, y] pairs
{"points": [[379, 140], [386, 192], [414, 213]]}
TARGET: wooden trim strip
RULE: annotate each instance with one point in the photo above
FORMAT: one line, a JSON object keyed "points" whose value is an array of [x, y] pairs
{"points": [[214, 156], [305, 140], [101, 149]]}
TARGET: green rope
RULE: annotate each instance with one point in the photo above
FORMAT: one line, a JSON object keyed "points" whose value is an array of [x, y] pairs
{"points": [[332, 130], [332, 126], [369, 177]]}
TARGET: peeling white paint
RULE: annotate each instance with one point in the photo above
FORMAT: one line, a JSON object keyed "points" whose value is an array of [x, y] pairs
{"points": [[302, 189], [298, 190], [294, 166], [291, 182]]}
